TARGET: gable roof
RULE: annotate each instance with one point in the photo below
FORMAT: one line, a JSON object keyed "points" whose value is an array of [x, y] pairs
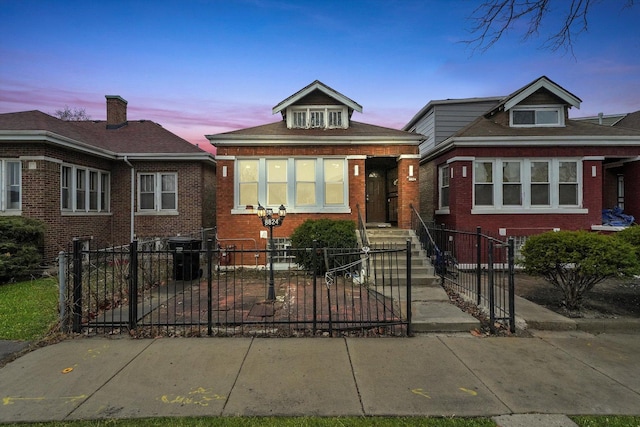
{"points": [[317, 85], [137, 139], [541, 82]]}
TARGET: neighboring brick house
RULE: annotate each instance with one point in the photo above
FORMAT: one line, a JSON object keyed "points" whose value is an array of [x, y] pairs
{"points": [[522, 167], [103, 181], [318, 163]]}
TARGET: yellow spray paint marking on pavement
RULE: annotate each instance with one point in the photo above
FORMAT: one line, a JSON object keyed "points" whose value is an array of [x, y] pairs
{"points": [[197, 396], [68, 399], [92, 353], [471, 392], [420, 392]]}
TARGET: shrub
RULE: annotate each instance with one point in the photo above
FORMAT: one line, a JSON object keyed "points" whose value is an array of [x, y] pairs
{"points": [[328, 233], [631, 235], [575, 261], [21, 240]]}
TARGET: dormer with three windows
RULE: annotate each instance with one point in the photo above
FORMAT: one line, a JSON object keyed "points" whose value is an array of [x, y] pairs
{"points": [[317, 106]]}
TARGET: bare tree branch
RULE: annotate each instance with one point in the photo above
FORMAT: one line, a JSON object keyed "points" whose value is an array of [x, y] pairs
{"points": [[494, 18], [69, 115]]}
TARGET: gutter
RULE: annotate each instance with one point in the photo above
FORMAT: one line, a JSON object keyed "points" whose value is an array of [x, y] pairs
{"points": [[133, 197]]}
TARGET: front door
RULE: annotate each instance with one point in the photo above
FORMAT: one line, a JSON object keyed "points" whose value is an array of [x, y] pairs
{"points": [[376, 196]]}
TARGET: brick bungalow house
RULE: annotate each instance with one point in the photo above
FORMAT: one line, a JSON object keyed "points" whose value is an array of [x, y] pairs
{"points": [[318, 163], [517, 165], [103, 181]]}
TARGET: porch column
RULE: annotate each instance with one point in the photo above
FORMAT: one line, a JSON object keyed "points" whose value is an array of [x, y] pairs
{"points": [[408, 187]]}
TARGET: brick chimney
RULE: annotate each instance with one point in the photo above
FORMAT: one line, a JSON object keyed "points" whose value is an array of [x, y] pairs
{"points": [[116, 112]]}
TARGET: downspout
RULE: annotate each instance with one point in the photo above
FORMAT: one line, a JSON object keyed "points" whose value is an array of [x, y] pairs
{"points": [[133, 196]]}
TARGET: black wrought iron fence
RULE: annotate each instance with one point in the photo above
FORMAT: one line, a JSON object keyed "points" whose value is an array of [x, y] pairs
{"points": [[190, 288], [478, 267]]}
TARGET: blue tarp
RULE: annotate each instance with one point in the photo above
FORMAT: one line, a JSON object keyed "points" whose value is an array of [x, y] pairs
{"points": [[616, 218]]}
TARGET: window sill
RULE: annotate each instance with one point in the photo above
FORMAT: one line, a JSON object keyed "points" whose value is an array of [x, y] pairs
{"points": [[528, 211], [340, 210], [157, 213], [607, 228], [84, 213], [11, 213], [444, 211]]}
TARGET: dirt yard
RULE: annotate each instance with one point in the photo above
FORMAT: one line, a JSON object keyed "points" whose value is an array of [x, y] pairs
{"points": [[612, 298]]}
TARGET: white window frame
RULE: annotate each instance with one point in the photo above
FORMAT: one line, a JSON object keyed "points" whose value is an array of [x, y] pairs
{"points": [[5, 185], [508, 183], [273, 183], [157, 193], [320, 205], [317, 117], [538, 109], [74, 187], [526, 206], [444, 182]]}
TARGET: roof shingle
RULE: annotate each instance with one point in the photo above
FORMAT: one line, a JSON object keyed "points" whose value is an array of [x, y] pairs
{"points": [[141, 136]]}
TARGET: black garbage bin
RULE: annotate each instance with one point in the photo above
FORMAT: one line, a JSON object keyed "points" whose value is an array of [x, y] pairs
{"points": [[186, 257]]}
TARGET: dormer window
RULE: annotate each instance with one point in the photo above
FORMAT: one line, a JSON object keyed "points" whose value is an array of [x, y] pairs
{"points": [[335, 119], [299, 119], [537, 116], [316, 117]]}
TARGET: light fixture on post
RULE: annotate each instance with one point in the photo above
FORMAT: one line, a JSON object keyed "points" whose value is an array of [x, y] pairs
{"points": [[268, 220]]}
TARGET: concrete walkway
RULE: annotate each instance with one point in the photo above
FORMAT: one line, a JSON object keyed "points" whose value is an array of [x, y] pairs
{"points": [[518, 380]]}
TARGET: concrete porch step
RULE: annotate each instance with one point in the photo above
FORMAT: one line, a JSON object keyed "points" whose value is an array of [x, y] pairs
{"points": [[417, 279], [431, 310]]}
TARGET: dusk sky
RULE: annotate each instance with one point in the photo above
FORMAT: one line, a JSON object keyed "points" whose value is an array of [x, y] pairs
{"points": [[205, 66]]}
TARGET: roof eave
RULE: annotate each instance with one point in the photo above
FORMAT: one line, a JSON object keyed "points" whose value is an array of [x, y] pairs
{"points": [[54, 138], [508, 141], [321, 140], [205, 156], [317, 85]]}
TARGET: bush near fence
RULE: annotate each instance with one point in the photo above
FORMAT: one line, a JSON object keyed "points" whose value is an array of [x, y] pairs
{"points": [[21, 246]]}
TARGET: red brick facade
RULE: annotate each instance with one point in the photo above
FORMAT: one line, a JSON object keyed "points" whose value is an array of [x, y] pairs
{"points": [[593, 188], [41, 188], [245, 227]]}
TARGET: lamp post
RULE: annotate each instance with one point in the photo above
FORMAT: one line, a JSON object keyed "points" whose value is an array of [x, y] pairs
{"points": [[268, 220]]}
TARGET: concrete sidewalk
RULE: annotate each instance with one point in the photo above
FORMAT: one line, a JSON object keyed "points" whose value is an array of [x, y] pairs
{"points": [[449, 375]]}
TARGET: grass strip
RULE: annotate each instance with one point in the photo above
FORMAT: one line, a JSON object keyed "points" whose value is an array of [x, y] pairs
{"points": [[29, 309], [277, 421]]}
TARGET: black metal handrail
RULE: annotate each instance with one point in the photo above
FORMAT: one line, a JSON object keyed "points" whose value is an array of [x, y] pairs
{"points": [[362, 229], [422, 231]]}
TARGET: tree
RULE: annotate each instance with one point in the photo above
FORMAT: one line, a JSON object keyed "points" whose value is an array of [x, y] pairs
{"points": [[69, 115], [494, 18], [576, 261]]}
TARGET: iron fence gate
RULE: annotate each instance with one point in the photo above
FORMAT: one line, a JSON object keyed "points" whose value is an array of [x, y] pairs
{"points": [[183, 289], [478, 267]]}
